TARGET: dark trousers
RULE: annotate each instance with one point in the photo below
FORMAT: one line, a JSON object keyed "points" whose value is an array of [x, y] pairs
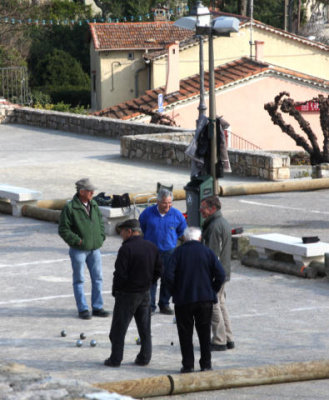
{"points": [[127, 306], [164, 295], [200, 315]]}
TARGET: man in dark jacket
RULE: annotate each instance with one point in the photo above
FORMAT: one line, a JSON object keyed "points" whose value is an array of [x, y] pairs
{"points": [[216, 234], [81, 227], [194, 276], [137, 267]]}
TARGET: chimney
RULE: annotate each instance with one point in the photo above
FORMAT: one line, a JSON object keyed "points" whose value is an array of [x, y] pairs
{"points": [[172, 84], [259, 51]]}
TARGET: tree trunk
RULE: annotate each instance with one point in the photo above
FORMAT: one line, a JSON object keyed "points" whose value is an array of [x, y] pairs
{"points": [[242, 7]]}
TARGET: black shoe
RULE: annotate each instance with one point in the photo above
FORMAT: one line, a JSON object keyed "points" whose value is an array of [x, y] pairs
{"points": [[110, 363], [206, 369], [84, 314], [185, 370], [230, 345], [166, 310], [101, 313], [218, 347], [140, 362]]}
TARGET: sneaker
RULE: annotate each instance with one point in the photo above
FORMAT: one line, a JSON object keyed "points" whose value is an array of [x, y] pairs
{"points": [[218, 347], [230, 345], [101, 313], [206, 369], [84, 314], [109, 363], [141, 363], [186, 370], [166, 310]]}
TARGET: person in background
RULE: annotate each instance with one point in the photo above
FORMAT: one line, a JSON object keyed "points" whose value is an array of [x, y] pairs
{"points": [[137, 266], [194, 276], [162, 225], [81, 227], [216, 234]]}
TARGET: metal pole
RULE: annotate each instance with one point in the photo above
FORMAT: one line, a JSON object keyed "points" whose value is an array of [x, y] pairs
{"points": [[202, 105], [212, 113]]}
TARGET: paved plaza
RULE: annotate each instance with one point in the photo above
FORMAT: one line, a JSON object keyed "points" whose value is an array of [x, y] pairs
{"points": [[276, 318]]}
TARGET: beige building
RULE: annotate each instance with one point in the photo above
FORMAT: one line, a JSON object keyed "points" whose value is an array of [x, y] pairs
{"points": [[123, 69]]}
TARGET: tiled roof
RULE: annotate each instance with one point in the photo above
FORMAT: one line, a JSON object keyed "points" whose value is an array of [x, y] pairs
{"points": [[133, 35], [244, 22], [226, 75]]}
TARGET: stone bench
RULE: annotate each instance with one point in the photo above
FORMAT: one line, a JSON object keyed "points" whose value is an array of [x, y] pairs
{"points": [[18, 197], [303, 253], [113, 216]]}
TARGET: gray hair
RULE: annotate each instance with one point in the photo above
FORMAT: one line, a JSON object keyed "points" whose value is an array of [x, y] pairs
{"points": [[164, 193], [192, 233]]}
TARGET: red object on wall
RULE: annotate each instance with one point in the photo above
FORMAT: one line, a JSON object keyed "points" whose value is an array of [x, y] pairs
{"points": [[309, 106]]}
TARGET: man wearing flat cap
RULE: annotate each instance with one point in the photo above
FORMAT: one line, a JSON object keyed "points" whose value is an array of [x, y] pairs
{"points": [[137, 267], [81, 227]]}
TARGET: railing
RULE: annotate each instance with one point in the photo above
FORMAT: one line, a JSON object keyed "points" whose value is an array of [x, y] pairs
{"points": [[14, 84], [234, 141]]}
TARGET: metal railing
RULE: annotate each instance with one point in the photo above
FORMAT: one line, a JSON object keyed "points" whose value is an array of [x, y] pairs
{"points": [[234, 141], [14, 84]]}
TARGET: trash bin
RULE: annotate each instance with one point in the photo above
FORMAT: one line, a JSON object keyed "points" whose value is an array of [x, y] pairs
{"points": [[196, 190]]}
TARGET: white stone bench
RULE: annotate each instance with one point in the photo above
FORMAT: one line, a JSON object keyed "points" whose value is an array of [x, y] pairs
{"points": [[112, 216], [303, 253], [18, 196]]}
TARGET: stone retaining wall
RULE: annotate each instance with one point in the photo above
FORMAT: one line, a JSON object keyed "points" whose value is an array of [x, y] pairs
{"points": [[83, 124], [169, 149]]}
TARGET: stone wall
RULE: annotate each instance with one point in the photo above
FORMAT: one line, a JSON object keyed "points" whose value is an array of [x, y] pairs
{"points": [[169, 149], [82, 124], [162, 144]]}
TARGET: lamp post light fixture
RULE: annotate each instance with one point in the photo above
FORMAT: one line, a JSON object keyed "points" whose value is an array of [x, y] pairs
{"points": [[203, 24]]}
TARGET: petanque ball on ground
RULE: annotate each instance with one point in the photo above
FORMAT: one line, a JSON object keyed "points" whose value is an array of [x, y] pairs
{"points": [[82, 336], [172, 343], [78, 343], [93, 343], [63, 333]]}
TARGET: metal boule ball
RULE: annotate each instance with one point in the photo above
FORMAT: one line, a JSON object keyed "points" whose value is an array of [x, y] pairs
{"points": [[93, 343], [78, 343], [82, 336], [63, 333], [172, 343]]}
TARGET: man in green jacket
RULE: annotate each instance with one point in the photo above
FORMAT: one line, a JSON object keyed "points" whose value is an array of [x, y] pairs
{"points": [[216, 234], [81, 227]]}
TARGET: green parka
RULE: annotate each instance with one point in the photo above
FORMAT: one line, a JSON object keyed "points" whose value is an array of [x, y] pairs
{"points": [[75, 225], [216, 234]]}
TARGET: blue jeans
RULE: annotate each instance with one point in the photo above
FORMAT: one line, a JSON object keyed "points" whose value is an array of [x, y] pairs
{"points": [[164, 296], [93, 259]]}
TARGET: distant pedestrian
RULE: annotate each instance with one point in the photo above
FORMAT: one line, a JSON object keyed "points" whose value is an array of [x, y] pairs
{"points": [[162, 225], [138, 265], [81, 227], [216, 234], [194, 276]]}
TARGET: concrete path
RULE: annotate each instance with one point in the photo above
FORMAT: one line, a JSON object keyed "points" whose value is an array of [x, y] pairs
{"points": [[276, 318]]}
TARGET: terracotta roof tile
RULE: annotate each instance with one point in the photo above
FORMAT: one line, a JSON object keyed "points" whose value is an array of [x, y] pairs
{"points": [[230, 73], [143, 35]]}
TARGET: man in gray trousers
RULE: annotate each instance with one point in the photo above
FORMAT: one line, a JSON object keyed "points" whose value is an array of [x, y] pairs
{"points": [[216, 234]]}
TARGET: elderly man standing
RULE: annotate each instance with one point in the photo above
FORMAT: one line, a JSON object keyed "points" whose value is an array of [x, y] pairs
{"points": [[81, 227], [216, 234], [162, 225], [137, 266], [194, 276]]}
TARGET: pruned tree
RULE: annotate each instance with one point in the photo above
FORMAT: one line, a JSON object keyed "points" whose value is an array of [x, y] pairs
{"points": [[287, 105]]}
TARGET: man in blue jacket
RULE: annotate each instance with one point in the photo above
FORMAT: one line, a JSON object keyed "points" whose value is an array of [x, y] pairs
{"points": [[162, 225], [194, 276]]}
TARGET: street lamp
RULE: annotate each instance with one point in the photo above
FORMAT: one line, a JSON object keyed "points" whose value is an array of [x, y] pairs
{"points": [[203, 24]]}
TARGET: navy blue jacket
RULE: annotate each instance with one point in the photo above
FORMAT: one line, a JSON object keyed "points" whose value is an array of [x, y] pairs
{"points": [[194, 274]]}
